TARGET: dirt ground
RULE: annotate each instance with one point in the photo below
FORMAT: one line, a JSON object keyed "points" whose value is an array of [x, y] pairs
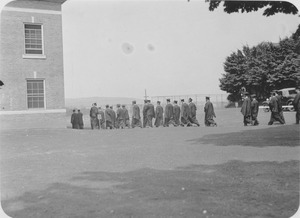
{"points": [[48, 170]]}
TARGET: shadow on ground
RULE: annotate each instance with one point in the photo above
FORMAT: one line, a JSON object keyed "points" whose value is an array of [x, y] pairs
{"points": [[235, 189], [283, 135]]}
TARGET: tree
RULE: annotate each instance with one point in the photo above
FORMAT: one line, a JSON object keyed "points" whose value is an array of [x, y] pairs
{"points": [[263, 68], [272, 7]]}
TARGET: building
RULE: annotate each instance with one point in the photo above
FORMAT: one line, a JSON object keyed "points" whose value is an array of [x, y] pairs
{"points": [[31, 58]]}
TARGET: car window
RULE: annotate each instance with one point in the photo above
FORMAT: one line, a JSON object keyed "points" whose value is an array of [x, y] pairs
{"points": [[292, 92]]}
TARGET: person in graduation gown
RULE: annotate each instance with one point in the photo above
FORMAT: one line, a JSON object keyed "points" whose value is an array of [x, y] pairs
{"points": [[192, 114], [101, 118], [73, 121], [176, 110], [280, 109], [185, 114], [296, 104], [120, 117], [254, 110], [113, 117], [108, 118], [169, 114], [136, 116], [159, 111], [209, 113], [150, 114], [126, 114], [273, 104], [93, 116], [80, 119], [145, 108], [246, 109]]}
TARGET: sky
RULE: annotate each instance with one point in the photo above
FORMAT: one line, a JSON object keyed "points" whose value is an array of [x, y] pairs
{"points": [[120, 48]]}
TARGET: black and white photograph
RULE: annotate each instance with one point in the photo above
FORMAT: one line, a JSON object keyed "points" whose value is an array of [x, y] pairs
{"points": [[149, 108]]}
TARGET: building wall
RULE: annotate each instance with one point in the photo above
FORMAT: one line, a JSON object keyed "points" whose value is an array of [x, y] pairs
{"points": [[15, 69]]}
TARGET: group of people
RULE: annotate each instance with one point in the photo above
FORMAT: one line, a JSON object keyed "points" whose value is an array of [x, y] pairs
{"points": [[77, 119], [250, 108], [171, 114]]}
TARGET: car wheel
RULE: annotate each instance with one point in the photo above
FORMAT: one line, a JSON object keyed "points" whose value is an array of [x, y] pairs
{"points": [[266, 109], [291, 108]]}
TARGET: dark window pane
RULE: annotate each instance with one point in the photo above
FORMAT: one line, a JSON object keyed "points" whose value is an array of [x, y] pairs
{"points": [[30, 51], [29, 85], [35, 104], [30, 105], [31, 26]]}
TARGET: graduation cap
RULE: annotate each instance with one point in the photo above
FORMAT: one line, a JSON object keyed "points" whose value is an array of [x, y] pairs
{"points": [[207, 97], [168, 100], [175, 102], [182, 100], [1, 83]]}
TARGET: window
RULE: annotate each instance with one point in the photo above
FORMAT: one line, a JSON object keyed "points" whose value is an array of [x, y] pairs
{"points": [[35, 94], [292, 92], [33, 39]]}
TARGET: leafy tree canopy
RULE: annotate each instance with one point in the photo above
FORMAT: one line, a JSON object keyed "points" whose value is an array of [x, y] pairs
{"points": [[271, 7], [263, 68]]}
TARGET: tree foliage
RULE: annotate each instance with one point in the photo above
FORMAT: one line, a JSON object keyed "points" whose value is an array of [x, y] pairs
{"points": [[271, 7], [263, 68]]}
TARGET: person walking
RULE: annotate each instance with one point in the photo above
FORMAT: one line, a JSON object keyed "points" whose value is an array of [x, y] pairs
{"points": [[176, 110], [273, 104], [192, 114], [93, 115], [120, 119], [113, 117], [126, 114], [150, 113], [73, 121], [145, 108], [296, 104], [101, 118], [185, 114], [136, 117], [209, 113], [159, 115], [80, 119], [280, 109], [108, 117], [169, 114], [254, 110], [246, 109]]}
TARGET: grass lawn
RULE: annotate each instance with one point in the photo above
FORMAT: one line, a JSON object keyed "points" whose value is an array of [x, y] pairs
{"points": [[48, 170]]}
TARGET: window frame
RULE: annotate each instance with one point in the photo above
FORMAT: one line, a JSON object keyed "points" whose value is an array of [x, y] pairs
{"points": [[44, 94], [27, 55]]}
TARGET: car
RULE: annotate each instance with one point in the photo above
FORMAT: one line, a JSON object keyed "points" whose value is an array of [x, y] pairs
{"points": [[288, 95]]}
